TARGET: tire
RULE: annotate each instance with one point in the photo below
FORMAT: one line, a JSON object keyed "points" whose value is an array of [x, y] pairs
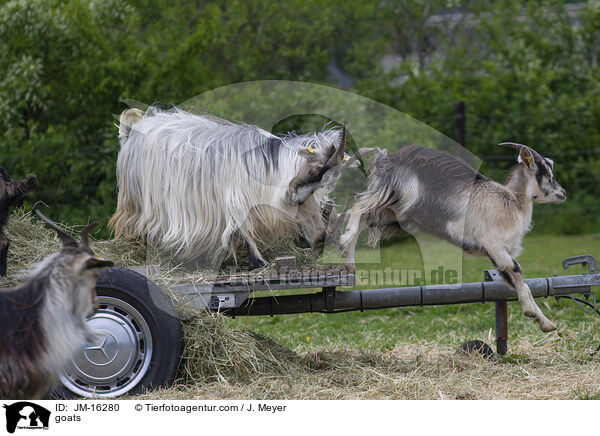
{"points": [[141, 345]]}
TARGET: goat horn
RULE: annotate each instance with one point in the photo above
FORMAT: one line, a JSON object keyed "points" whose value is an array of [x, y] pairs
{"points": [[67, 240], [85, 234], [512, 145], [518, 146], [338, 156]]}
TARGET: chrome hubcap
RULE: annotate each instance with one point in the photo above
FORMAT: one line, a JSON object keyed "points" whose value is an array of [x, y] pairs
{"points": [[116, 361]]}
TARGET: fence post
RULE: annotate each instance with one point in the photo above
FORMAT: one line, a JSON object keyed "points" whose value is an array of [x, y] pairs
{"points": [[460, 118]]}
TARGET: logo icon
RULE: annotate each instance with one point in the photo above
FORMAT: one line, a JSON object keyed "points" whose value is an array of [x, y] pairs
{"points": [[26, 415]]}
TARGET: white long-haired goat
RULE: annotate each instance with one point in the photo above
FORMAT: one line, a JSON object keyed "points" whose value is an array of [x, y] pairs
{"points": [[202, 187]]}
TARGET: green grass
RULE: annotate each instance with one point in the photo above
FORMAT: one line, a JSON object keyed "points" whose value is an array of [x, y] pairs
{"points": [[447, 325], [586, 394]]}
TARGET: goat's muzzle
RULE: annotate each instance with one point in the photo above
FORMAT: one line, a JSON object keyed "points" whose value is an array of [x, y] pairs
{"points": [[560, 196]]}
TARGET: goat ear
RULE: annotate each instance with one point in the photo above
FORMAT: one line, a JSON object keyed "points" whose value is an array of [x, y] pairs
{"points": [[306, 151], [350, 163], [525, 157], [354, 162]]}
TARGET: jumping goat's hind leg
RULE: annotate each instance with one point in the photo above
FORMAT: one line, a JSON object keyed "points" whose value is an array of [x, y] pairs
{"points": [[348, 240], [510, 271]]}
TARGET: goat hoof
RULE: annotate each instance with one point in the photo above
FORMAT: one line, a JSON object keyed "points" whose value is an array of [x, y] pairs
{"points": [[258, 264], [546, 326]]}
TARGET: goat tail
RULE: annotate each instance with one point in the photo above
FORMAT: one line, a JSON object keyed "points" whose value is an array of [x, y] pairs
{"points": [[128, 118]]}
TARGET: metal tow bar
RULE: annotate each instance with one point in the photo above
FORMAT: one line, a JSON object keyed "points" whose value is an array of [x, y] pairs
{"points": [[493, 289]]}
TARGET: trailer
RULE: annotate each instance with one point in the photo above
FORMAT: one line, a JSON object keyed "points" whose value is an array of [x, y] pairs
{"points": [[141, 342]]}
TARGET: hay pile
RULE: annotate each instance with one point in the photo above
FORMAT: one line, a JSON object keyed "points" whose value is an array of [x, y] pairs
{"points": [[31, 241]]}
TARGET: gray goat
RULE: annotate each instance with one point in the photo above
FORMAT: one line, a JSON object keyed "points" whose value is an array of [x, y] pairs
{"points": [[419, 189], [43, 320]]}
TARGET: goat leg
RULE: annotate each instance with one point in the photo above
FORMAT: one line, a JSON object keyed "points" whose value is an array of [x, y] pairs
{"points": [[19, 188], [348, 240], [4, 243], [510, 271], [320, 239], [319, 243], [256, 260]]}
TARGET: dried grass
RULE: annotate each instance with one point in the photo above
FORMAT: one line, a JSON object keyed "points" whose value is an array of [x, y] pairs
{"points": [[413, 372], [31, 241]]}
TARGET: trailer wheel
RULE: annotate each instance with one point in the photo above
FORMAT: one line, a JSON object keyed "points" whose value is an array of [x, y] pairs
{"points": [[476, 346], [139, 345]]}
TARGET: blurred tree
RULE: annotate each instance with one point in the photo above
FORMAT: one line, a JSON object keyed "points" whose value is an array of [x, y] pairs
{"points": [[527, 72], [63, 68]]}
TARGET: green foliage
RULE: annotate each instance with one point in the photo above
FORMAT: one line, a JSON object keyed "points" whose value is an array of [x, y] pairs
{"points": [[64, 69], [527, 73]]}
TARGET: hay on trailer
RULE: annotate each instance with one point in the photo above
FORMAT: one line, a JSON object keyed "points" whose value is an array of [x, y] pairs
{"points": [[32, 241]]}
